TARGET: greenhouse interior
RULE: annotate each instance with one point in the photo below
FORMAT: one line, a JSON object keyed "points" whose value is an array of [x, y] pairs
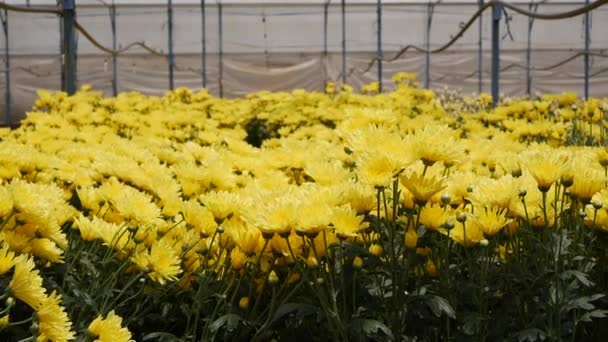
{"points": [[307, 170]]}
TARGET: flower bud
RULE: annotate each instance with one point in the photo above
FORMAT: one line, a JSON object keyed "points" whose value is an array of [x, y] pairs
{"points": [[376, 250], [461, 217], [411, 239], [357, 263], [273, 278], [244, 303], [312, 262]]}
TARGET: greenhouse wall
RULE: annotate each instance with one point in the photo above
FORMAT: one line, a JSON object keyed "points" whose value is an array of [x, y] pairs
{"points": [[286, 45]]}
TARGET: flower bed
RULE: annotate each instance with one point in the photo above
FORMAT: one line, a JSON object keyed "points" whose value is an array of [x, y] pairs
{"points": [[409, 215]]}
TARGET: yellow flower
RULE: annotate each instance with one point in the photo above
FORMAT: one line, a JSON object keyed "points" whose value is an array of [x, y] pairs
{"points": [[238, 259], [26, 284], [135, 205], [46, 249], [199, 218], [465, 234], [546, 168], [346, 222], [109, 329], [313, 218], [161, 263], [377, 169], [6, 202], [361, 197], [277, 217], [434, 217], [422, 187], [490, 221], [436, 143], [89, 229], [7, 258], [54, 323], [221, 204], [587, 182]]}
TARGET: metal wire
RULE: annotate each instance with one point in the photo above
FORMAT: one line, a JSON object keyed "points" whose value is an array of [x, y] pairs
{"points": [[467, 25]]}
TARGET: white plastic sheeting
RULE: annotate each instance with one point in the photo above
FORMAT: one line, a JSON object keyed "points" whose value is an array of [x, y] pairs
{"points": [[274, 45]]}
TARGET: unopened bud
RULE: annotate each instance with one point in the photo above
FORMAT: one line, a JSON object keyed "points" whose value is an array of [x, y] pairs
{"points": [[244, 303], [357, 263], [312, 262], [273, 278], [376, 250], [461, 217]]}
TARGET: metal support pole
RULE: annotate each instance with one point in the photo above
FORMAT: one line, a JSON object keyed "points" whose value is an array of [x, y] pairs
{"points": [[379, 53], [343, 6], [114, 55], [69, 46], [587, 43], [221, 49], [170, 43], [480, 53], [532, 7], [204, 44], [325, 24], [7, 72], [496, 14], [427, 66]]}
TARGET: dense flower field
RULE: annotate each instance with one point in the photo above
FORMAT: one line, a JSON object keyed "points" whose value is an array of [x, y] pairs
{"points": [[408, 215]]}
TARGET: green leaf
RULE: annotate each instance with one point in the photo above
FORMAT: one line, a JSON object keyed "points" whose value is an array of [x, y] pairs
{"points": [[371, 326], [300, 309], [161, 336], [580, 276], [231, 321], [532, 334], [439, 305]]}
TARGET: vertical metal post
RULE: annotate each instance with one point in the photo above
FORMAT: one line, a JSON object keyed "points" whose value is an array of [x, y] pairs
{"points": [[496, 14], [480, 53], [170, 42], [379, 53], [69, 46], [325, 22], [532, 7], [221, 48], [343, 7], [427, 66], [587, 43], [114, 55], [204, 44], [7, 71]]}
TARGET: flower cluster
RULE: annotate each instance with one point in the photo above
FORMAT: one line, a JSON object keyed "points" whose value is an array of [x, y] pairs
{"points": [[171, 186]]}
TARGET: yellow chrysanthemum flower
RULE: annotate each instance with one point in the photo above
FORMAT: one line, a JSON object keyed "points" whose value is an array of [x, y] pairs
{"points": [[161, 262], [7, 258], [54, 323], [422, 187], [489, 220], [26, 284], [109, 329], [346, 222]]}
